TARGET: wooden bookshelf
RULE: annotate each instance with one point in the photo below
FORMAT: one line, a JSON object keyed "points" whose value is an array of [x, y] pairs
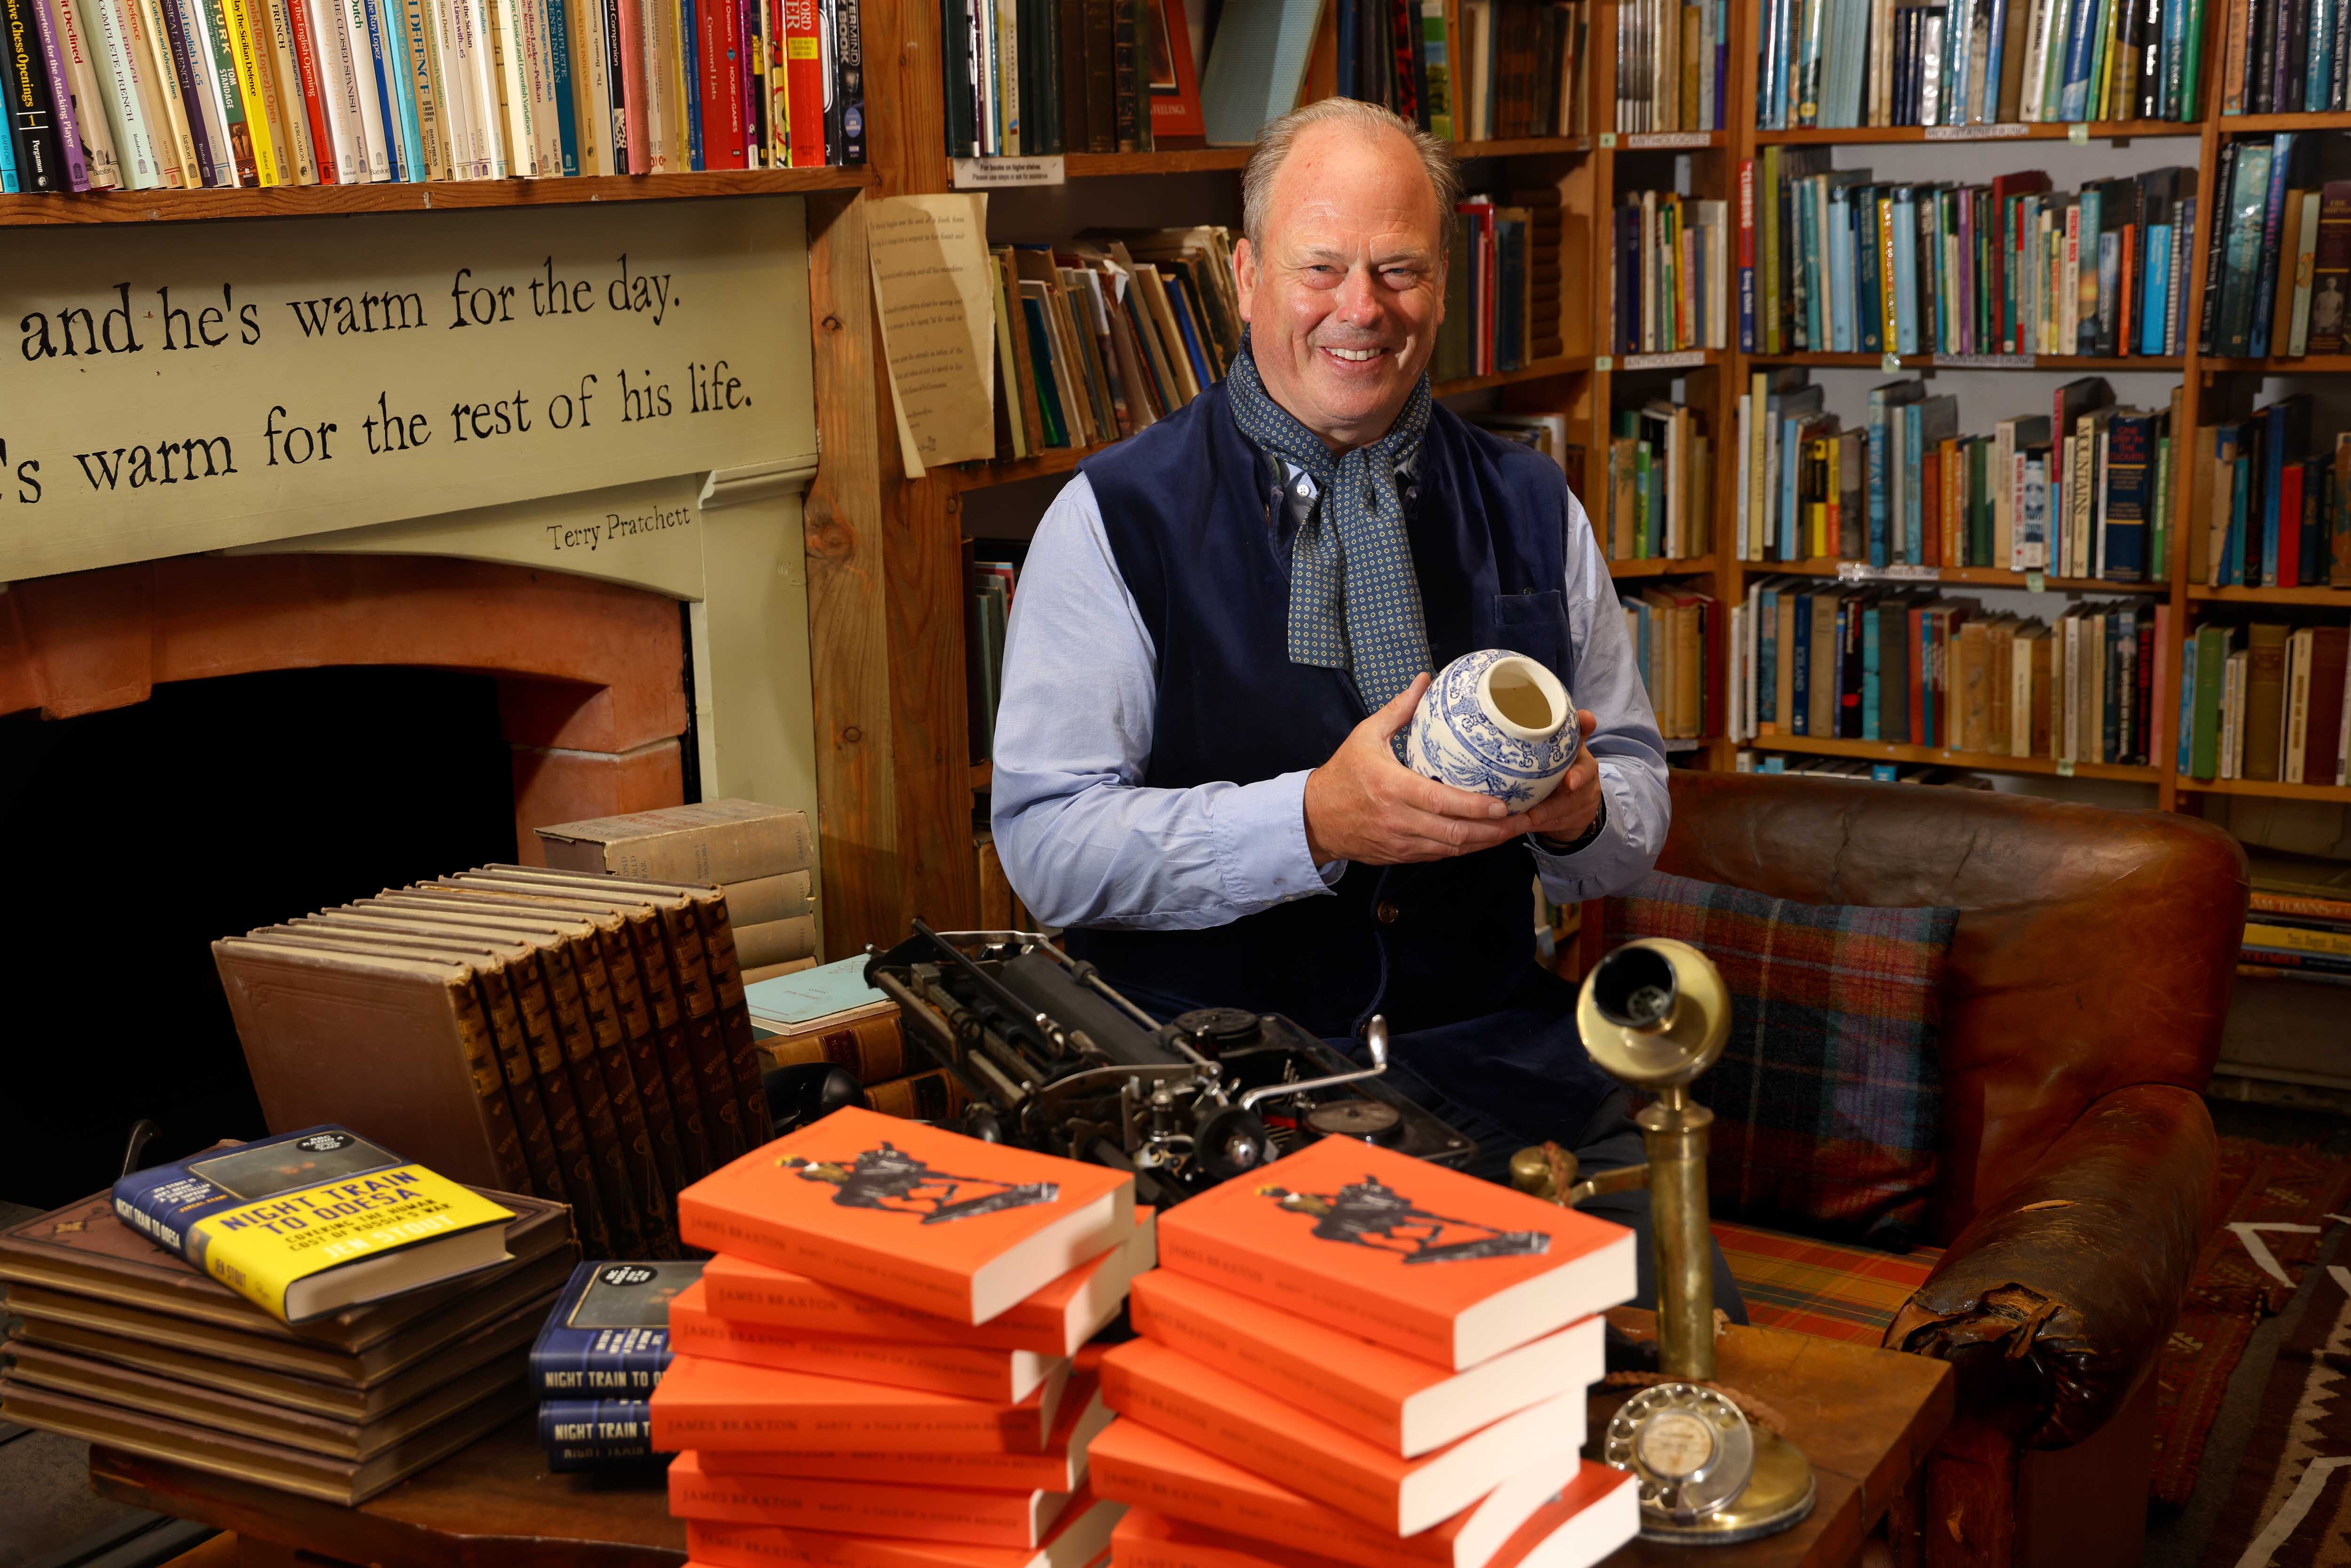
{"points": [[2268, 789], [1181, 161], [1902, 364], [2239, 124], [2031, 131], [1950, 576], [1980, 761], [1540, 369], [2324, 598], [446, 195], [1664, 566]]}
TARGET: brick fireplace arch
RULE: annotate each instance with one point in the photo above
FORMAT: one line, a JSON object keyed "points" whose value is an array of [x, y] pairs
{"points": [[590, 674]]}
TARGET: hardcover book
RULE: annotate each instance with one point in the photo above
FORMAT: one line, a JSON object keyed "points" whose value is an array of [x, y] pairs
{"points": [[309, 1222], [969, 1517], [1078, 1540], [1002, 1376], [1406, 1254], [608, 1335], [589, 1434], [704, 1405], [913, 1214]]}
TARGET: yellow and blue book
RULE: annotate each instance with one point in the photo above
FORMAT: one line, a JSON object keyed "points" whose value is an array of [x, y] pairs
{"points": [[310, 1222]]}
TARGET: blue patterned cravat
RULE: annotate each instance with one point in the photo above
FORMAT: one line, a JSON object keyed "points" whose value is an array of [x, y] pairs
{"points": [[1354, 602]]}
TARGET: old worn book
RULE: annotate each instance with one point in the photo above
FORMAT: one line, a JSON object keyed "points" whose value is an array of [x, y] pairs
{"points": [[347, 1481], [1000, 1376], [932, 1096], [784, 897], [869, 1043], [82, 1253], [968, 1516], [913, 1214], [1194, 1404], [1054, 1321], [87, 1377], [773, 942], [1397, 1401], [1078, 1540], [703, 1404], [1406, 1254], [712, 841], [1133, 1464], [431, 1084], [2266, 709]]}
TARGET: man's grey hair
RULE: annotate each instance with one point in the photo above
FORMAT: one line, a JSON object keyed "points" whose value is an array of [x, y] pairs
{"points": [[1274, 143]]}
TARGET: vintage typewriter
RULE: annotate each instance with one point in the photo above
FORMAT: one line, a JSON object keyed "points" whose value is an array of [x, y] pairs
{"points": [[1052, 1058]]}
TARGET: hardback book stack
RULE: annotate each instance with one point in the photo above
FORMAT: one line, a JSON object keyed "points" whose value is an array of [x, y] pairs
{"points": [[2266, 701], [2278, 253], [762, 857], [1673, 62], [1502, 298], [1676, 633], [1660, 494], [1355, 1356], [1524, 65], [987, 612], [1847, 264], [829, 1014], [598, 1359], [1670, 271], [1107, 335], [143, 95], [333, 1382], [577, 1037], [1836, 661], [883, 1358], [2278, 58], [2299, 924], [2083, 491], [2274, 513], [1895, 62]]}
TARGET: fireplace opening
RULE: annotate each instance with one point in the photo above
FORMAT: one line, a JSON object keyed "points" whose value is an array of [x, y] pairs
{"points": [[138, 835]]}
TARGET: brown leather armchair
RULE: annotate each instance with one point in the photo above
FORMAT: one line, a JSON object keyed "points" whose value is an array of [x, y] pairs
{"points": [[2088, 977]]}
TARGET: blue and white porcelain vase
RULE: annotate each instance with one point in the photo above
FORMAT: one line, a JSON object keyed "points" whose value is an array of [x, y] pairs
{"points": [[1497, 723]]}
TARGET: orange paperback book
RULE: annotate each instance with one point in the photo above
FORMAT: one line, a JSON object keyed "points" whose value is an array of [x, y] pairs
{"points": [[1197, 1405], [1131, 1463], [865, 1508], [1397, 1401], [1592, 1515], [702, 1404], [1002, 1376], [1411, 1255], [1076, 1541], [1055, 1320], [1061, 1468], [910, 1213]]}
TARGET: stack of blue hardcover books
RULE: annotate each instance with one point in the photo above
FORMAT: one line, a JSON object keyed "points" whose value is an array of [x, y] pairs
{"points": [[605, 1345]]}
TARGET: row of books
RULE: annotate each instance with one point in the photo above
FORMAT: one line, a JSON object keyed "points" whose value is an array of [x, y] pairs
{"points": [[169, 94], [1673, 62], [1840, 663], [2274, 513], [1848, 63], [1748, 761], [2266, 701], [2282, 55], [2299, 922], [768, 880], [987, 612], [1039, 77], [1107, 335], [2278, 262], [1524, 64], [1659, 499], [2083, 491], [1502, 285], [1671, 257], [1849, 265], [1677, 635]]}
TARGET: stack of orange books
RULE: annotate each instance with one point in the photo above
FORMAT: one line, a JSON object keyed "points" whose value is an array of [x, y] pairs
{"points": [[882, 1366], [1356, 1357]]}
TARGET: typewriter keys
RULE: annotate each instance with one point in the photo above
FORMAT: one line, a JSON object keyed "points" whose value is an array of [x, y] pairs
{"points": [[1367, 1120]]}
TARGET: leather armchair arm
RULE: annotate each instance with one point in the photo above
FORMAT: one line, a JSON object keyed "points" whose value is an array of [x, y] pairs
{"points": [[2054, 1302]]}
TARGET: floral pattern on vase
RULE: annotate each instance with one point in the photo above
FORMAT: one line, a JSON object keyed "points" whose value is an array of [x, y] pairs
{"points": [[1459, 736]]}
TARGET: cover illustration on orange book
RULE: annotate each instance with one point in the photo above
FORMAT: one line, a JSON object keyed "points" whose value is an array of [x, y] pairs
{"points": [[910, 1213]]}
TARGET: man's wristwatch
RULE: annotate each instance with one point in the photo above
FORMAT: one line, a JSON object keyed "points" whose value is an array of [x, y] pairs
{"points": [[1582, 840]]}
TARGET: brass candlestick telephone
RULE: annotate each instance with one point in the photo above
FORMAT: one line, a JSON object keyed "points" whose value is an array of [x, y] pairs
{"points": [[1654, 1014]]}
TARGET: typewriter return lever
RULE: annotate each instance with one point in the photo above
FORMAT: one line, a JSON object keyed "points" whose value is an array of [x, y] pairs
{"points": [[1375, 1043]]}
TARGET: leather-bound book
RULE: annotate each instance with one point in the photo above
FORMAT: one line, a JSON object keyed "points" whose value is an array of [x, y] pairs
{"points": [[709, 840], [2265, 738]]}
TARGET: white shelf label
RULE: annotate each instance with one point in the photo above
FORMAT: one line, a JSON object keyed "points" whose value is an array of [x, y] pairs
{"points": [[982, 173], [1643, 140], [1604, 362], [2064, 769], [2036, 582], [1889, 364], [2005, 131], [1608, 138], [1984, 361], [2078, 134], [1682, 360]]}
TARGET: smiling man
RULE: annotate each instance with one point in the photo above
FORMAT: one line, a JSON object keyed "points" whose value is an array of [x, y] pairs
{"points": [[1224, 623]]}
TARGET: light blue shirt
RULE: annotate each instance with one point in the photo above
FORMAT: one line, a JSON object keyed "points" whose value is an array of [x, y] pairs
{"points": [[1085, 843]]}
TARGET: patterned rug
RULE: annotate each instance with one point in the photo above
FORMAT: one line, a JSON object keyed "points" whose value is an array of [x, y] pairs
{"points": [[2270, 1207]]}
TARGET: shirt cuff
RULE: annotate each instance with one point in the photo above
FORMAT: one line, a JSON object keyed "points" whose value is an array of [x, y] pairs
{"points": [[1260, 833], [1607, 864]]}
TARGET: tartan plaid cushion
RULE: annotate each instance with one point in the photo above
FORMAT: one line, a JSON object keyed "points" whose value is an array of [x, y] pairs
{"points": [[1820, 1288], [1828, 1098]]}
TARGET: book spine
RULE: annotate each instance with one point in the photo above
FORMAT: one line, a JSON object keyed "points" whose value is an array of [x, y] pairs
{"points": [[804, 82], [376, 84], [48, 54], [611, 1364], [560, 68], [237, 113], [310, 66], [849, 76], [100, 153], [586, 1434]]}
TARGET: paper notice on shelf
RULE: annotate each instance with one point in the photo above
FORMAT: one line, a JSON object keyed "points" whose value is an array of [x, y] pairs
{"points": [[937, 304]]}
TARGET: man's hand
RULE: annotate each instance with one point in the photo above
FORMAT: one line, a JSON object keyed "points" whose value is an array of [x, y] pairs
{"points": [[1567, 811], [1364, 805]]}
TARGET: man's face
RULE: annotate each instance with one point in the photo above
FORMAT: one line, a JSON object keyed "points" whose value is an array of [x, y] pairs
{"points": [[1344, 300]]}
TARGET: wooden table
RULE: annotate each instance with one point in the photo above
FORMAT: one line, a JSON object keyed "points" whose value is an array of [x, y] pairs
{"points": [[1866, 1418]]}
